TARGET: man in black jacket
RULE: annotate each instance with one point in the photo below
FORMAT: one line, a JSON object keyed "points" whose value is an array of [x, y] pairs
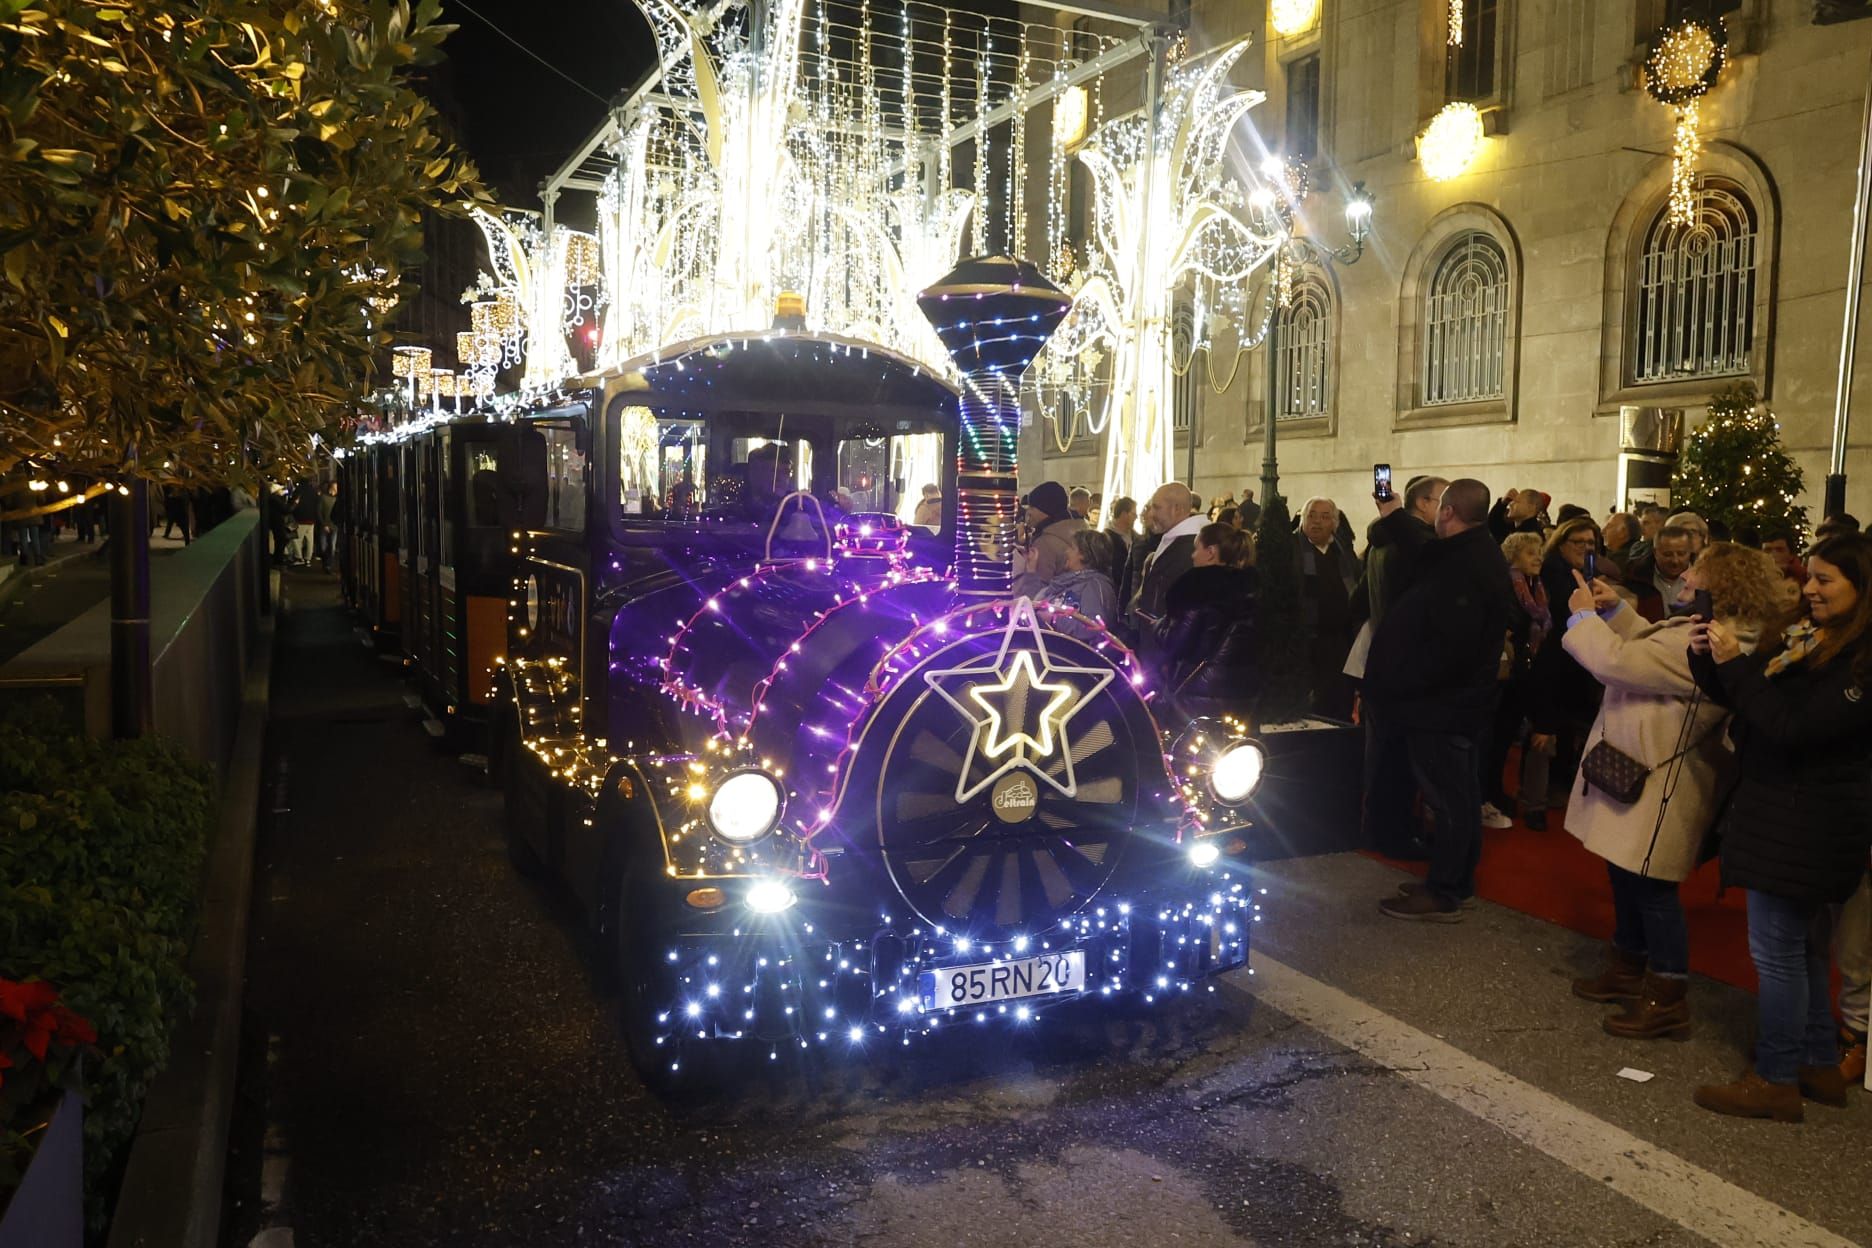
{"points": [[1121, 532], [1405, 527], [1172, 516], [1431, 681]]}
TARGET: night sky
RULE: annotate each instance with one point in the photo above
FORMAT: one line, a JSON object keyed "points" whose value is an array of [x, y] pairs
{"points": [[518, 118]]}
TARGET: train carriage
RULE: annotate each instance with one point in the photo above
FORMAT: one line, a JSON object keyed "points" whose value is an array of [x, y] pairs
{"points": [[817, 774]]}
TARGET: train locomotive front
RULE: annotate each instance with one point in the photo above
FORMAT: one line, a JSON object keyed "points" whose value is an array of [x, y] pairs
{"points": [[851, 791]]}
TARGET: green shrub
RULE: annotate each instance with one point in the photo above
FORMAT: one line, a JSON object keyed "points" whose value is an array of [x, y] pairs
{"points": [[101, 846]]}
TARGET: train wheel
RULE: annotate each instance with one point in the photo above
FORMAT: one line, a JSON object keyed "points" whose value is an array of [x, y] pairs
{"points": [[521, 804]]}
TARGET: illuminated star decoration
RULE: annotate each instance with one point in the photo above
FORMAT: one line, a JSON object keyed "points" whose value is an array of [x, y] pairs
{"points": [[999, 701]]}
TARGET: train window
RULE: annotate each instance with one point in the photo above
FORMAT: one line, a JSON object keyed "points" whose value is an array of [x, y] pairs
{"points": [[662, 465], [565, 477], [887, 472], [483, 509]]}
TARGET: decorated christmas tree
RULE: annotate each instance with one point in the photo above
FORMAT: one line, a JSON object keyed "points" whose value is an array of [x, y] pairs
{"points": [[1734, 469]]}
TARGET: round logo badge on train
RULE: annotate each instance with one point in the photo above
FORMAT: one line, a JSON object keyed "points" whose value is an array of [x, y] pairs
{"points": [[1015, 797]]}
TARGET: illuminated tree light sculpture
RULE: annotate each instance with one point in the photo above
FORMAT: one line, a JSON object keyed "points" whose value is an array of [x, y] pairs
{"points": [[1167, 214]]}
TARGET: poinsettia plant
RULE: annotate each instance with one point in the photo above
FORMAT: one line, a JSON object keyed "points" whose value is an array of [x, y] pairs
{"points": [[41, 1046]]}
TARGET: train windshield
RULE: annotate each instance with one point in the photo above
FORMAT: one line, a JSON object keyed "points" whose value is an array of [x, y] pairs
{"points": [[739, 465]]}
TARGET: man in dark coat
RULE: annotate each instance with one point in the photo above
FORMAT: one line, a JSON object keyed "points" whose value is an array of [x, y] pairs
{"points": [[1329, 573], [1248, 509], [1172, 516], [1431, 680], [1121, 532], [1405, 527], [1656, 577], [1518, 511]]}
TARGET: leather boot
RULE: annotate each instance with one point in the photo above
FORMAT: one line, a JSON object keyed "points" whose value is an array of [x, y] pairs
{"points": [[1823, 1084], [1752, 1096], [1659, 1012], [1852, 1065], [1623, 978]]}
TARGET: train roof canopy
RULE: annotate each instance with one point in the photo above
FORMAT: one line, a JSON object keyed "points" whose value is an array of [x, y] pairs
{"points": [[784, 372]]}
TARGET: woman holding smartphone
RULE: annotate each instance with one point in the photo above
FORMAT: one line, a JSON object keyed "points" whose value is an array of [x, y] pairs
{"points": [[1651, 714], [1796, 830]]}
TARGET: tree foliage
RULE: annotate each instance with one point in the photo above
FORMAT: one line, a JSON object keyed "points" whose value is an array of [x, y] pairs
{"points": [[1733, 468], [198, 200]]}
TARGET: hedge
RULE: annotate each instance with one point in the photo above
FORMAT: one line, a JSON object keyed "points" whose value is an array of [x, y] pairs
{"points": [[101, 846]]}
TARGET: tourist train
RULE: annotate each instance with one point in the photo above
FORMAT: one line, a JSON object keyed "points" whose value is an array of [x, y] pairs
{"points": [[809, 766]]}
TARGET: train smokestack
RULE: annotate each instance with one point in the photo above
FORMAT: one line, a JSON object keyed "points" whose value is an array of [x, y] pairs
{"points": [[994, 314]]}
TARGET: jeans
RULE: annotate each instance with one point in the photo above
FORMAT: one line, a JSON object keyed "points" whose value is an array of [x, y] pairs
{"points": [[1444, 764], [1650, 921], [1852, 936], [1788, 941]]}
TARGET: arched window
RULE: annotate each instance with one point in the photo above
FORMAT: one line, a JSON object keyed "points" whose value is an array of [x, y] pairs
{"points": [[1465, 322], [1303, 333], [1695, 287]]}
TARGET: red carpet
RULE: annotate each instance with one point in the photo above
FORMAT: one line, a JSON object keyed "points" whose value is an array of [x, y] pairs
{"points": [[1551, 876]]}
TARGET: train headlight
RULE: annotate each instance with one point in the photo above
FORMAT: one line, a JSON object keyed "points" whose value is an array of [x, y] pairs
{"points": [[745, 807], [769, 897], [1237, 772]]}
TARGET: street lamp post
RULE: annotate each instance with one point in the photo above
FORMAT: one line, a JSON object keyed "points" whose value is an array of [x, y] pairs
{"points": [[1278, 210]]}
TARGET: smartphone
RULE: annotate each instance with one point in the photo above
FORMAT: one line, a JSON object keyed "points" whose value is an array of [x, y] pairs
{"points": [[1592, 566], [1381, 482], [1700, 605]]}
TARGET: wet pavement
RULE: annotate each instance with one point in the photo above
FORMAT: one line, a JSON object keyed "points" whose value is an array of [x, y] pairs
{"points": [[433, 1057]]}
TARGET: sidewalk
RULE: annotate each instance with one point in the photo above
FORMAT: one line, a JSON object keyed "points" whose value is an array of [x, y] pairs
{"points": [[37, 602]]}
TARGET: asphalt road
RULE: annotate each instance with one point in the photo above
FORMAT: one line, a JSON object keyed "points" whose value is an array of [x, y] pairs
{"points": [[433, 1058]]}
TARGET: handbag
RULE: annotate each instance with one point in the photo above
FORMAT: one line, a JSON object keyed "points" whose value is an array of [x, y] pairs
{"points": [[1614, 772], [1620, 776]]}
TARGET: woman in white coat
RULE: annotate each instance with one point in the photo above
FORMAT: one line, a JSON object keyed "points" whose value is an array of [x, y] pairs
{"points": [[1649, 714]]}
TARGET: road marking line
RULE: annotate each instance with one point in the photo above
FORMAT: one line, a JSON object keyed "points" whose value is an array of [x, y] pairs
{"points": [[1694, 1198]]}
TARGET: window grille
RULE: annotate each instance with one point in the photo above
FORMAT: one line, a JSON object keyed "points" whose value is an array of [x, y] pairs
{"points": [[1303, 351], [1696, 291], [1466, 322], [1469, 67]]}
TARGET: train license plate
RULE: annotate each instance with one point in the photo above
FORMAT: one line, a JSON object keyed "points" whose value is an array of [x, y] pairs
{"points": [[958, 987]]}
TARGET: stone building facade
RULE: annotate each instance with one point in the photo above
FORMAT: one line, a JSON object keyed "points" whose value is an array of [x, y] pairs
{"points": [[1499, 320]]}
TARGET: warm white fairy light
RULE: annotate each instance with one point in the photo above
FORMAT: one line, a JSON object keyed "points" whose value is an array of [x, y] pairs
{"points": [[1455, 36], [1294, 17], [1451, 142], [1686, 146]]}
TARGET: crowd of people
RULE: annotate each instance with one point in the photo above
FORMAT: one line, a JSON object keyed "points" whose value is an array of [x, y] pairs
{"points": [[177, 513], [1666, 691]]}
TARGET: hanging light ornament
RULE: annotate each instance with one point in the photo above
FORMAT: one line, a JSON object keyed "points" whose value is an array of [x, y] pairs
{"points": [[1680, 69], [1455, 23], [583, 264], [410, 362], [1294, 17], [1451, 142]]}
